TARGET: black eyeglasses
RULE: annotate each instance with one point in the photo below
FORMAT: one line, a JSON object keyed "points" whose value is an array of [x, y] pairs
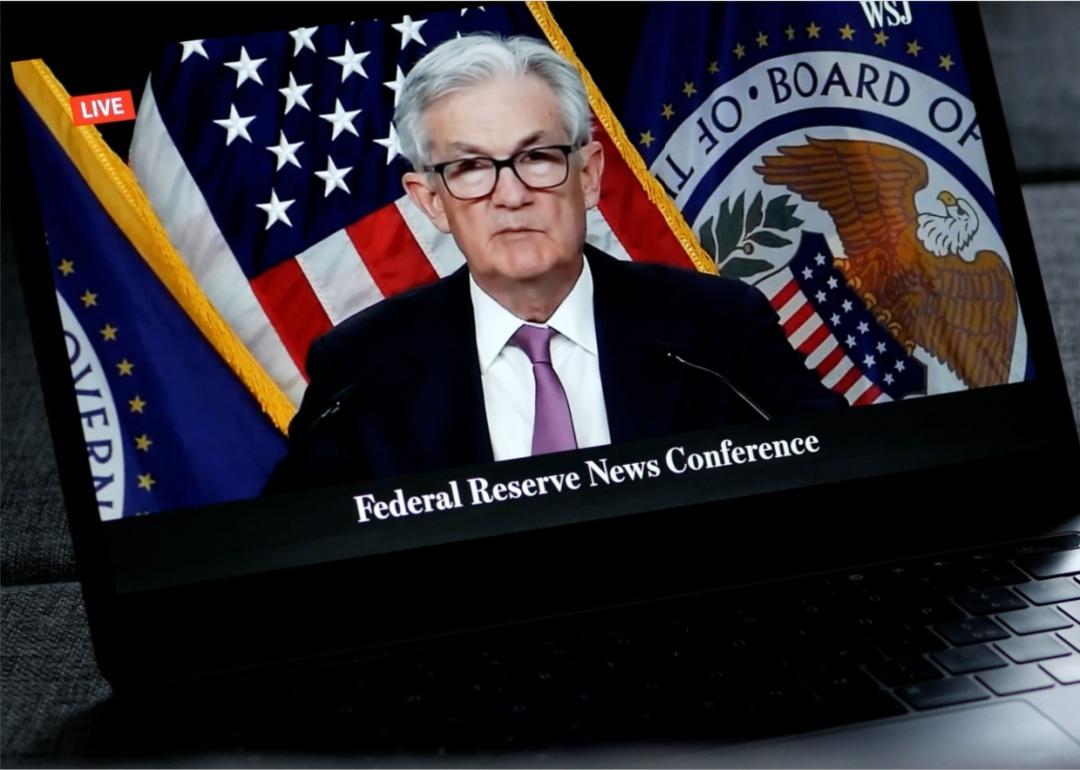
{"points": [[538, 168]]}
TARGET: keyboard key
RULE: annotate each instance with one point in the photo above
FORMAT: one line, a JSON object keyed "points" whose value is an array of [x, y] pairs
{"points": [[849, 695], [911, 642], [842, 684], [940, 575], [994, 574], [1072, 636], [926, 610], [943, 692], [990, 601], [964, 660], [971, 631], [1065, 670], [1050, 591], [1052, 564], [908, 670], [853, 651], [870, 623], [1047, 545], [1072, 609], [777, 697], [1016, 679], [1034, 620], [1026, 649]]}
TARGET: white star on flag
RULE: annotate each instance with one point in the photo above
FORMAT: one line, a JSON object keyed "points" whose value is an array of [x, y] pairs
{"points": [[236, 125], [835, 319], [832, 282], [820, 296], [395, 85], [246, 68], [850, 341], [294, 94], [285, 152], [466, 10], [899, 366], [334, 177], [351, 61], [846, 304], [807, 273], [881, 347], [342, 119], [869, 360], [275, 210], [863, 327], [392, 145], [888, 379], [820, 259], [193, 46], [410, 30], [302, 36]]}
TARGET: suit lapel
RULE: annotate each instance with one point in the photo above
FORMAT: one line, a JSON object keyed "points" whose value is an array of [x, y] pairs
{"points": [[449, 415], [641, 390]]}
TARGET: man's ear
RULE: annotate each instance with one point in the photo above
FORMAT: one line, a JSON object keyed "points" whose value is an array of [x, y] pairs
{"points": [[592, 169], [421, 189]]}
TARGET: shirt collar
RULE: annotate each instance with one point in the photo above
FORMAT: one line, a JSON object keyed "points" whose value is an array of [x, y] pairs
{"points": [[573, 319]]}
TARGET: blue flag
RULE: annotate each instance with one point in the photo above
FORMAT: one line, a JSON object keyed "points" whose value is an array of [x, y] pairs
{"points": [[167, 424]]}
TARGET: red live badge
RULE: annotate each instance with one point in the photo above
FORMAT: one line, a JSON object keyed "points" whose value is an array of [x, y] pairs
{"points": [[102, 108]]}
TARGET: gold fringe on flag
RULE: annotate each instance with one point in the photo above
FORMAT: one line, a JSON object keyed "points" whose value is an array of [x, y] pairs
{"points": [[114, 184], [655, 192]]}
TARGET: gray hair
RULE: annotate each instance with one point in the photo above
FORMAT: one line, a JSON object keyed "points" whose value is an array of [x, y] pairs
{"points": [[473, 59]]}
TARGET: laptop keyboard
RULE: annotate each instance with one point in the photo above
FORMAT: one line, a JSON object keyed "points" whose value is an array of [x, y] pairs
{"points": [[817, 652]]}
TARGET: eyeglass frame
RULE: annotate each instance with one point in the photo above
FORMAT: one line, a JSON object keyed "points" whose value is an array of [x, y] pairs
{"points": [[507, 162]]}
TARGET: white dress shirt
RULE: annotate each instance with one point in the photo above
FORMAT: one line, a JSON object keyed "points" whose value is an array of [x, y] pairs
{"points": [[507, 375]]}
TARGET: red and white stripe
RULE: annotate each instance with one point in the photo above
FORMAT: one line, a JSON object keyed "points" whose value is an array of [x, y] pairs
{"points": [[809, 334], [278, 314], [183, 212]]}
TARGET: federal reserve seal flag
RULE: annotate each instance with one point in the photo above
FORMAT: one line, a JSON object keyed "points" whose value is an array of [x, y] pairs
{"points": [[830, 154]]}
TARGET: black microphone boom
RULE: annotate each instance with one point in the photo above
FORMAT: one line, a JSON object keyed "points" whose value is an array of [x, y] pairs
{"points": [[670, 354], [342, 399]]}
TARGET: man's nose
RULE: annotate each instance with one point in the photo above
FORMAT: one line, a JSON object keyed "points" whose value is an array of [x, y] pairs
{"points": [[509, 190]]}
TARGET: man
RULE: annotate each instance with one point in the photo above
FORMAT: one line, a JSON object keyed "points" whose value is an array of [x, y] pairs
{"points": [[540, 343]]}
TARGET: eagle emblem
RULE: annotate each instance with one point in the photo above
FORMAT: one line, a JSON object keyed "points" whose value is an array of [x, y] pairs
{"points": [[911, 268]]}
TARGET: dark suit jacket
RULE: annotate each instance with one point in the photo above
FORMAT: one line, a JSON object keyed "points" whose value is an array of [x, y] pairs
{"points": [[396, 388]]}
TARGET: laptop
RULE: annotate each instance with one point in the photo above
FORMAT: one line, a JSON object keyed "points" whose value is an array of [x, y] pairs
{"points": [[892, 583]]}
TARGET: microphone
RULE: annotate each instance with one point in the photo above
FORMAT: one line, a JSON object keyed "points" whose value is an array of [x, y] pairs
{"points": [[669, 353], [304, 469], [340, 401]]}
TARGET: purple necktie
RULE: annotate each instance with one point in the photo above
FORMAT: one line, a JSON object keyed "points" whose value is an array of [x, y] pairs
{"points": [[553, 428]]}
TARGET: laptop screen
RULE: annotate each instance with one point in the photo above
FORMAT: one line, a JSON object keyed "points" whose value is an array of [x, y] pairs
{"points": [[314, 307]]}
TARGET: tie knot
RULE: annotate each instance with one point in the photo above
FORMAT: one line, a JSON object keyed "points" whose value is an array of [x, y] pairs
{"points": [[535, 341]]}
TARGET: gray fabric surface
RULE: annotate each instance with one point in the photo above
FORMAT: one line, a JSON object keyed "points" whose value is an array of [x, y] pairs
{"points": [[1033, 48], [1054, 214], [35, 546], [50, 680]]}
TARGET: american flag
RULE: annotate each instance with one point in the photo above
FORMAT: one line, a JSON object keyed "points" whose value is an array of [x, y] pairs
{"points": [[273, 164], [826, 321]]}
